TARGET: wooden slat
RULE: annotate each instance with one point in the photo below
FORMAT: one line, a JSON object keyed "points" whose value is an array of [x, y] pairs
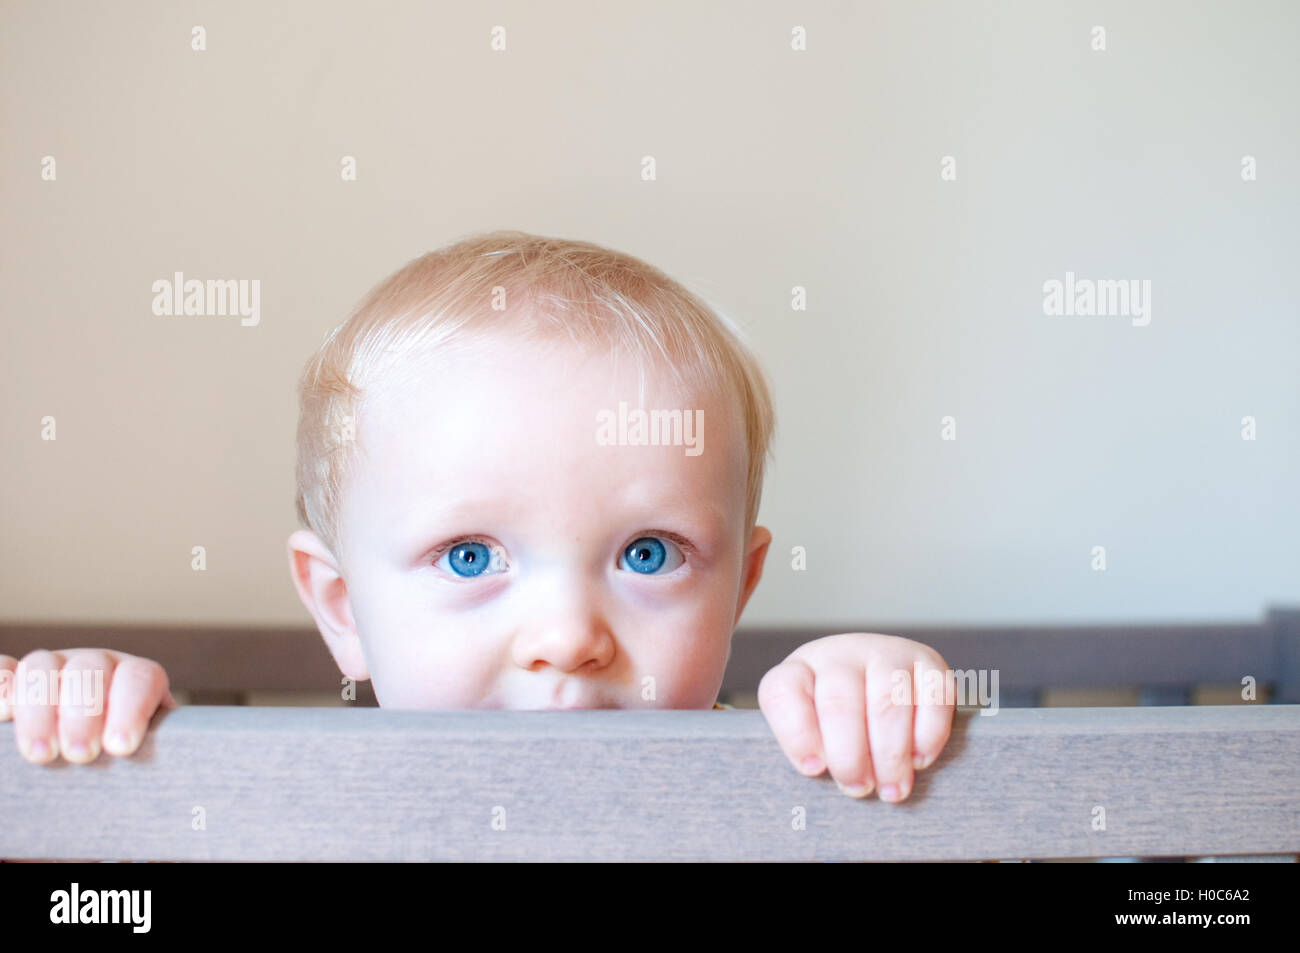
{"points": [[378, 784], [1285, 624], [1027, 658], [198, 658]]}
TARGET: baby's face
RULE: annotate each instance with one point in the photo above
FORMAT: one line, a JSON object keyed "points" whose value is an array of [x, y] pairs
{"points": [[497, 555]]}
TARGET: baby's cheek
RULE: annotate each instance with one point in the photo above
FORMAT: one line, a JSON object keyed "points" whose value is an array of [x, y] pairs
{"points": [[689, 668], [422, 671]]}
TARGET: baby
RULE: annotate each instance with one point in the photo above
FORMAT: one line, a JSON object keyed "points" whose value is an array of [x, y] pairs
{"points": [[529, 472]]}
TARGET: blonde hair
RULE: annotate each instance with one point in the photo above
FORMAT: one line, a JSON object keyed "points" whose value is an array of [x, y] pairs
{"points": [[594, 295]]}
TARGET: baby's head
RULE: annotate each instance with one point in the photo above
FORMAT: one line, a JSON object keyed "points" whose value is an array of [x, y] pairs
{"points": [[529, 471]]}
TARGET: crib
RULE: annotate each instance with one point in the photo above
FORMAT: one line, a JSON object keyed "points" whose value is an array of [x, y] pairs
{"points": [[1173, 764]]}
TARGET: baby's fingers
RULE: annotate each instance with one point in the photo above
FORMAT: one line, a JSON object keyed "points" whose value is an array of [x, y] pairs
{"points": [[81, 702], [841, 696], [8, 666], [139, 687], [889, 727], [35, 705], [934, 711], [785, 696]]}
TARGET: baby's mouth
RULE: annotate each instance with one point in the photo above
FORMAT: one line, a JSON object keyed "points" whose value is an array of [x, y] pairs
{"points": [[574, 696], [577, 707]]}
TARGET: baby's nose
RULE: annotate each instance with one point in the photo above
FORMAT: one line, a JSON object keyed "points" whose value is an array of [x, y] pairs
{"points": [[569, 633]]}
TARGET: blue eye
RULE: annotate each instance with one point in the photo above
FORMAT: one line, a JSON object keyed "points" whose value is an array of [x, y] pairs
{"points": [[472, 558], [648, 555]]}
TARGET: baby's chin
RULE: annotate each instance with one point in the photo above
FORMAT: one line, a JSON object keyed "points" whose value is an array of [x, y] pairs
{"points": [[587, 705], [513, 705], [603, 706], [509, 704], [540, 701]]}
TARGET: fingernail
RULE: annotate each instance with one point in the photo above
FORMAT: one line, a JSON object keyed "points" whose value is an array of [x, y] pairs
{"points": [[41, 750], [80, 752], [855, 790], [118, 742], [889, 792], [812, 765], [918, 760]]}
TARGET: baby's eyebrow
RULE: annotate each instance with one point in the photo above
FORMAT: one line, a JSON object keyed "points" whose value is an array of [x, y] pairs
{"points": [[442, 515], [707, 521], [440, 508], [712, 521]]}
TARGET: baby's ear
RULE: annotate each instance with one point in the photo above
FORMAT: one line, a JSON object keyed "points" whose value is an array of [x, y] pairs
{"points": [[751, 569], [324, 593]]}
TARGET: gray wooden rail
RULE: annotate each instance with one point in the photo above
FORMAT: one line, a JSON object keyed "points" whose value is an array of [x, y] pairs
{"points": [[219, 665], [226, 783]]}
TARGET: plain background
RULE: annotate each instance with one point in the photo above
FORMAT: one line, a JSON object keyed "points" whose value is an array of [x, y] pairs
{"points": [[776, 169]]}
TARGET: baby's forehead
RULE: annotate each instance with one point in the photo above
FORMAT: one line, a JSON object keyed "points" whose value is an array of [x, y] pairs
{"points": [[496, 378], [515, 409]]}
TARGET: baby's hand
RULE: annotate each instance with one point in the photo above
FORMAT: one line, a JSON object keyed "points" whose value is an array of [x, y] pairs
{"points": [[73, 701], [862, 706]]}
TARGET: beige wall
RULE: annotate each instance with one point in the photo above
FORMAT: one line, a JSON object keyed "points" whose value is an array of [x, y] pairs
{"points": [[775, 169]]}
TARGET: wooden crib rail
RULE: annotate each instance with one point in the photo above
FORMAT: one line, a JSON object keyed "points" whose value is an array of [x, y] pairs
{"points": [[219, 664], [232, 783]]}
